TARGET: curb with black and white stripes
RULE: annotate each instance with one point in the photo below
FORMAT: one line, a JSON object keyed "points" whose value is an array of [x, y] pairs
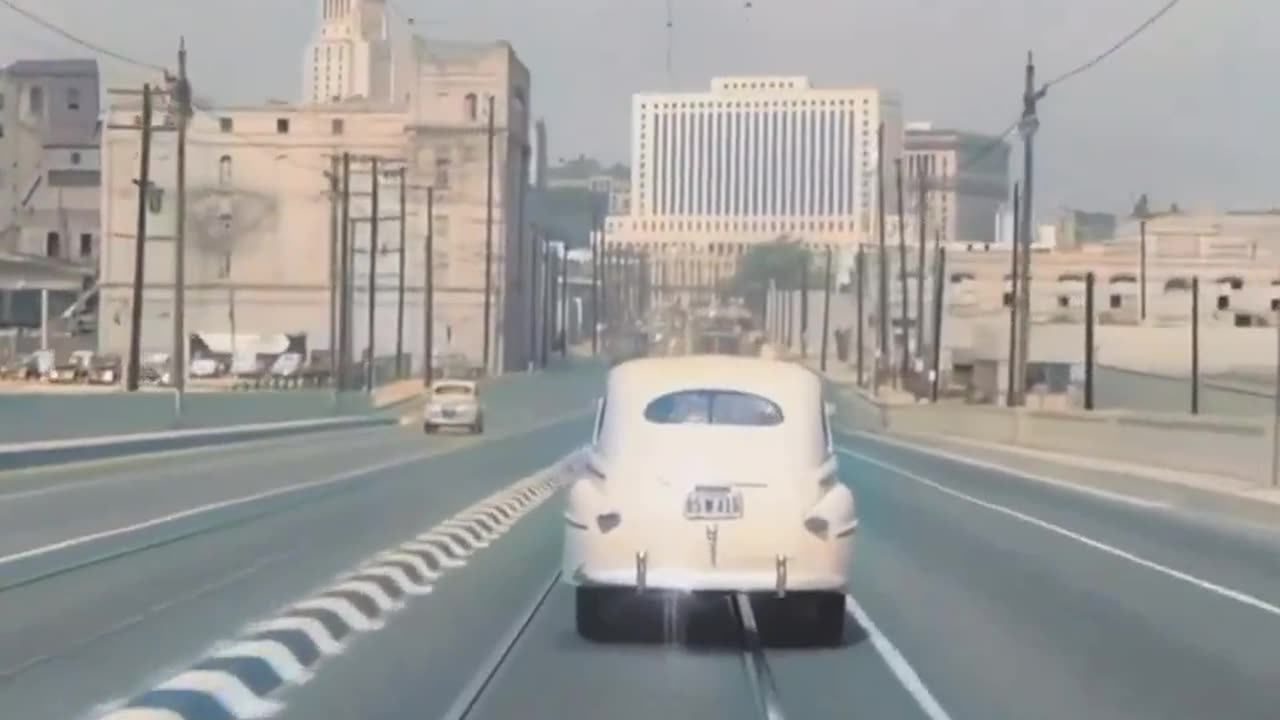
{"points": [[236, 681]]}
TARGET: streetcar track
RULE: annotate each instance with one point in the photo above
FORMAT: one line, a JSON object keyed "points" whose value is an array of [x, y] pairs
{"points": [[751, 651]]}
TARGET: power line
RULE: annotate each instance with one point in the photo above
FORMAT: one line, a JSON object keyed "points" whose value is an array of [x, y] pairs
{"points": [[1115, 48], [53, 27]]}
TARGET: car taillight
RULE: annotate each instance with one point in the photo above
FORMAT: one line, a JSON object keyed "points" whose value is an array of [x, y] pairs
{"points": [[608, 521]]}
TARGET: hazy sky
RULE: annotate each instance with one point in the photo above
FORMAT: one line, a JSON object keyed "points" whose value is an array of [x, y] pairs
{"points": [[1186, 112]]}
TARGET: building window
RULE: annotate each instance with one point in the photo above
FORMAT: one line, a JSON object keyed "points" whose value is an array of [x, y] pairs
{"points": [[36, 100], [1007, 300], [442, 172], [1115, 301], [86, 245], [73, 98], [53, 245], [224, 170], [440, 226], [337, 126], [75, 158], [225, 124], [155, 200], [470, 107], [1224, 302], [282, 125]]}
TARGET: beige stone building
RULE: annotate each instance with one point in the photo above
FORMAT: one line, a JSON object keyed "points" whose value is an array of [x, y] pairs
{"points": [[261, 215]]}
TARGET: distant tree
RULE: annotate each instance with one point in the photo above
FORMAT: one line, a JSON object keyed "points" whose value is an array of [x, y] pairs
{"points": [[782, 261]]}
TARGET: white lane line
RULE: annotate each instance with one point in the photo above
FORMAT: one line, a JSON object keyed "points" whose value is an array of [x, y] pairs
{"points": [[418, 563], [897, 663], [1226, 592], [232, 502], [1023, 474], [345, 611], [369, 589], [141, 714]]}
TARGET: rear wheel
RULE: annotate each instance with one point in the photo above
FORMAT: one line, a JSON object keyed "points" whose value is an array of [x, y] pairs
{"points": [[428, 428], [478, 427], [816, 619], [589, 613]]}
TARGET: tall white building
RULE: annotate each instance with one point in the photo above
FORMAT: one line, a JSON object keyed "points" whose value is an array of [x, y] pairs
{"points": [[762, 155], [351, 55], [753, 160]]}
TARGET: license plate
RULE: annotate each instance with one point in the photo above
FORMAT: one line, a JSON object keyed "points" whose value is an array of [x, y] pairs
{"points": [[450, 412], [713, 504]]}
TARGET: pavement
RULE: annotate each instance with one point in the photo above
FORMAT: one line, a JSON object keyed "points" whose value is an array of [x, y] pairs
{"points": [[977, 592]]}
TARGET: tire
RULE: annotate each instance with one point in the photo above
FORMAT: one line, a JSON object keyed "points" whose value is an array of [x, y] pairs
{"points": [[815, 619], [589, 614], [478, 427], [428, 428]]}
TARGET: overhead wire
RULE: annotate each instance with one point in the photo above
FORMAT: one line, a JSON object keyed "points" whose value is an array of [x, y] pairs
{"points": [[1085, 67], [68, 35]]}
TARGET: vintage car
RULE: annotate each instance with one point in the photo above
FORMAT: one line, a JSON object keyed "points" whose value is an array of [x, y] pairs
{"points": [[453, 403], [708, 476]]}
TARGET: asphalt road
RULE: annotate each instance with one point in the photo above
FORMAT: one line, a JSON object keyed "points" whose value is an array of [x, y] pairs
{"points": [[975, 595]]}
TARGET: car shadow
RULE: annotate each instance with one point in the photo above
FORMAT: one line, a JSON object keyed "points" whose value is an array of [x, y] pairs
{"points": [[705, 624]]}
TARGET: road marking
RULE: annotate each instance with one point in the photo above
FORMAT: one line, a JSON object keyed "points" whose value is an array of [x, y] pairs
{"points": [[897, 663], [1006, 470], [246, 499], [1229, 593], [292, 644]]}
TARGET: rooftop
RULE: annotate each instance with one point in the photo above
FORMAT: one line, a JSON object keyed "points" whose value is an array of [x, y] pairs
{"points": [[52, 68]]}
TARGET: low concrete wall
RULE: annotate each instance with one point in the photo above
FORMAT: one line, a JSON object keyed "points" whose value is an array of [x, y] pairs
{"points": [[52, 452], [1233, 446]]}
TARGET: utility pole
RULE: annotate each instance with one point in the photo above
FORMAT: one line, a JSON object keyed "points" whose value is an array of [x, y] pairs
{"points": [[345, 272], [140, 245], [1027, 126], [535, 303], [939, 290], [804, 306], [428, 290], [335, 250], [596, 249], [921, 211], [1088, 340], [1142, 270], [826, 309], [1011, 393], [902, 275], [564, 300], [400, 298], [374, 221], [548, 303], [488, 238], [860, 270], [182, 99], [1195, 345], [882, 287]]}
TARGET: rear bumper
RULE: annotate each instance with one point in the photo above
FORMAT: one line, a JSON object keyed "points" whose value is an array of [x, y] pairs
{"points": [[681, 580]]}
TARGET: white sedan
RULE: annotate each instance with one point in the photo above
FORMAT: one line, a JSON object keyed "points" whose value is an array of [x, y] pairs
{"points": [[453, 403], [710, 475]]}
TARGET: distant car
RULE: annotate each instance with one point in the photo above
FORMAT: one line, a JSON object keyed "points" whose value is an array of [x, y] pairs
{"points": [[453, 403], [709, 476], [105, 369]]}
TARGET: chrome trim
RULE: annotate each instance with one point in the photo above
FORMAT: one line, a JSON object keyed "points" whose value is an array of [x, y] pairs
{"points": [[780, 570], [642, 569]]}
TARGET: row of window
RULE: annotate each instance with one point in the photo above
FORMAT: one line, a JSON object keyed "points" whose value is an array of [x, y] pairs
{"points": [[1116, 301], [53, 245], [35, 99], [753, 104], [736, 225], [1234, 282], [337, 126]]}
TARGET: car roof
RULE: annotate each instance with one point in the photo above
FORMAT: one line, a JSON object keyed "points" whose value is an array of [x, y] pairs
{"points": [[774, 379]]}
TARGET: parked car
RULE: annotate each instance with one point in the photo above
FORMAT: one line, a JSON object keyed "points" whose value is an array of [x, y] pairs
{"points": [[105, 369], [710, 476]]}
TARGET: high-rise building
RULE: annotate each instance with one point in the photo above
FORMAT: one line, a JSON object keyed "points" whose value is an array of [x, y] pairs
{"points": [[966, 179], [351, 54], [761, 156]]}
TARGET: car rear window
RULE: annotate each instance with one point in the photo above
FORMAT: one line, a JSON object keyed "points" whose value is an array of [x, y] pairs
{"points": [[713, 407], [453, 390]]}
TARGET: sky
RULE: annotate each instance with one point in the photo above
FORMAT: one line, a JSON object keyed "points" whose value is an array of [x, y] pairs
{"points": [[1184, 113]]}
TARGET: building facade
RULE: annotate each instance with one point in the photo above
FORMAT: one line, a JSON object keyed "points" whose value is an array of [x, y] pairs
{"points": [[262, 215], [958, 181], [353, 55], [753, 160]]}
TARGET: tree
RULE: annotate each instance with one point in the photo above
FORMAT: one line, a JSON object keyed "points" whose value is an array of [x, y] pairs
{"points": [[783, 261]]}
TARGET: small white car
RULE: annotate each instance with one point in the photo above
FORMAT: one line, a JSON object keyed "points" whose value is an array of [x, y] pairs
{"points": [[708, 476], [453, 403]]}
